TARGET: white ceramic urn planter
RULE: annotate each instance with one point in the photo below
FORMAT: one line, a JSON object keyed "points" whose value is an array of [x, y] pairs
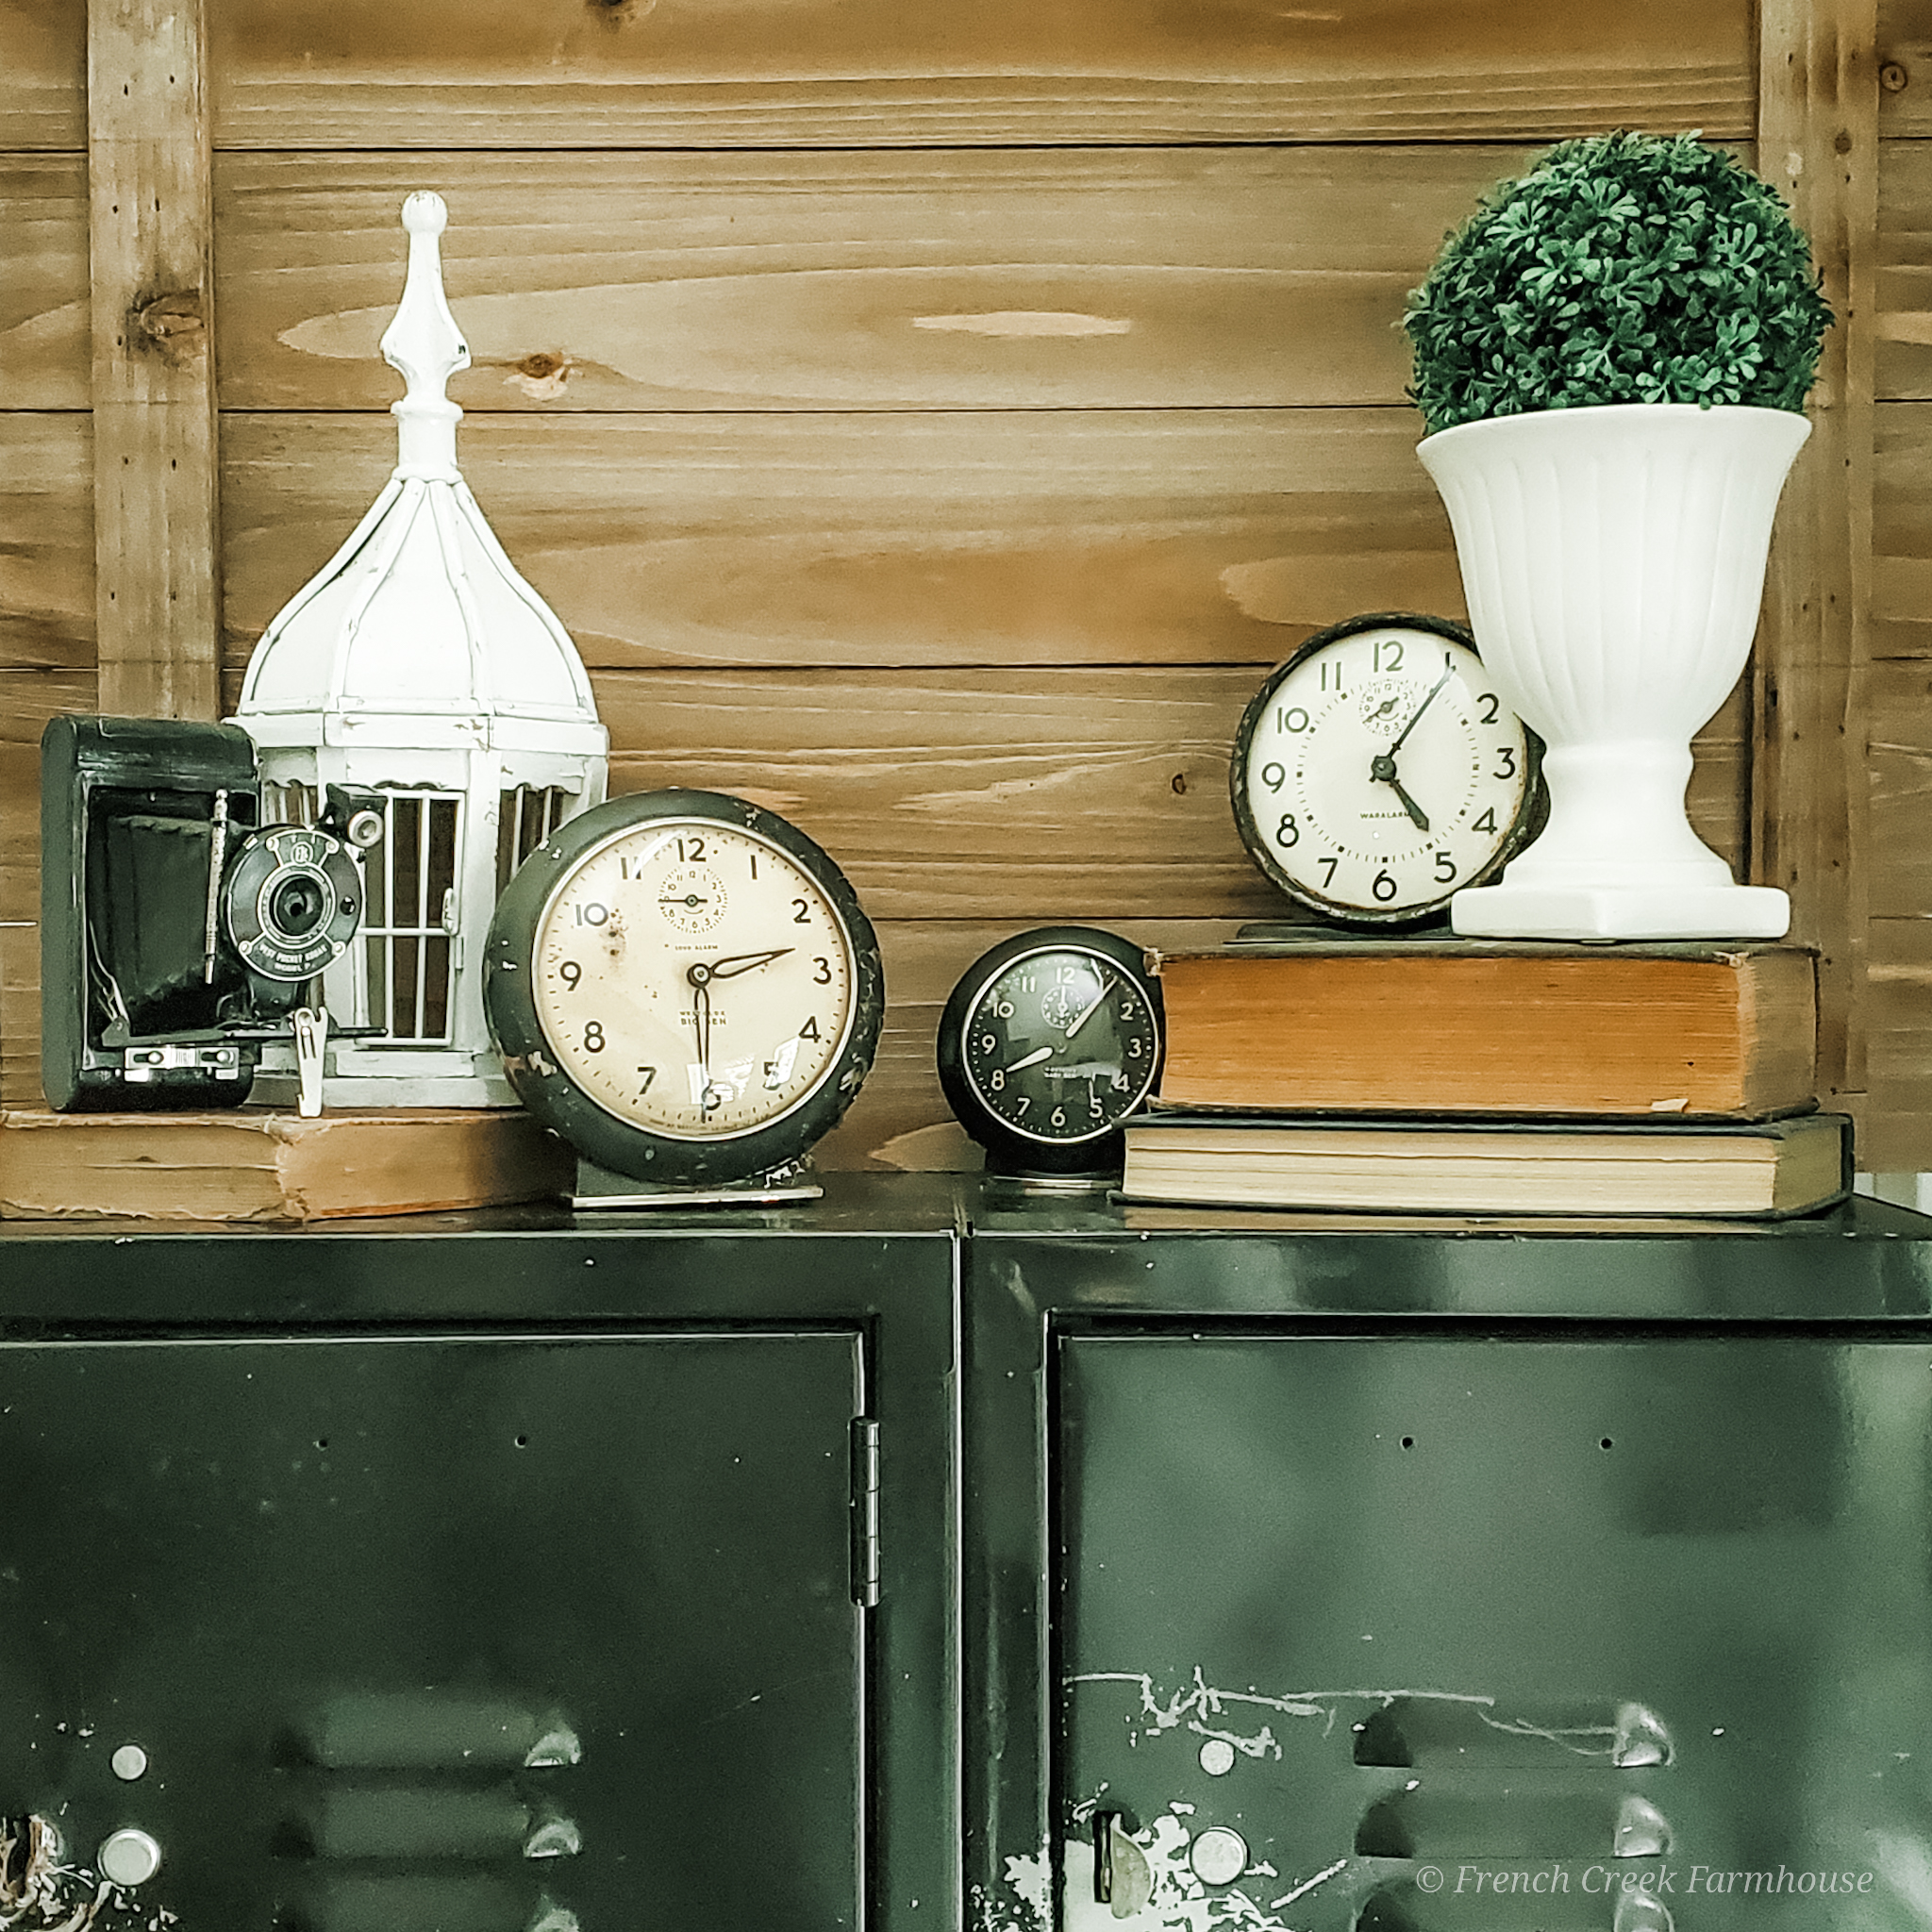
{"points": [[1613, 563]]}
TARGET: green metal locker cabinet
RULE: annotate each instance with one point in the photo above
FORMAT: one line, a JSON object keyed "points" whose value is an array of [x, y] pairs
{"points": [[433, 1577], [1321, 1576]]}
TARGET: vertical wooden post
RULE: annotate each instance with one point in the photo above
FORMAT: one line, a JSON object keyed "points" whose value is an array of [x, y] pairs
{"points": [[155, 487], [1818, 144]]}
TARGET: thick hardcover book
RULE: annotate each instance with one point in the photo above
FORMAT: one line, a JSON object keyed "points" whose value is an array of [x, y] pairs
{"points": [[1750, 1169], [258, 1165], [1515, 1027]]}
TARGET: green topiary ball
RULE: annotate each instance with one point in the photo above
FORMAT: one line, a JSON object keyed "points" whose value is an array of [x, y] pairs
{"points": [[1624, 267]]}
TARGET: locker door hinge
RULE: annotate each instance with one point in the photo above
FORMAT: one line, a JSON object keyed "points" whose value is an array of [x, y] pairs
{"points": [[865, 1511]]}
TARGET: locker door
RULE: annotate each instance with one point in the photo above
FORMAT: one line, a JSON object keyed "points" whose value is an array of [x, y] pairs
{"points": [[1433, 1634], [433, 1635]]}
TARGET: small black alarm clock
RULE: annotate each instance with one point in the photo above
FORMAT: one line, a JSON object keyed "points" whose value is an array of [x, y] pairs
{"points": [[1047, 1044]]}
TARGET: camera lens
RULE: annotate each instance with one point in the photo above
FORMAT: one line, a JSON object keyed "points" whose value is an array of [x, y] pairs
{"points": [[298, 904]]}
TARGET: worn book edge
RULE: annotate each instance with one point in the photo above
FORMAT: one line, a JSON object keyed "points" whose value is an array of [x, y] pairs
{"points": [[1260, 1175], [259, 1165]]}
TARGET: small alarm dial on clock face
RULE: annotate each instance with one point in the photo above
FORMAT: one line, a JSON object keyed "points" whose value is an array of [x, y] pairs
{"points": [[694, 979], [1378, 771]]}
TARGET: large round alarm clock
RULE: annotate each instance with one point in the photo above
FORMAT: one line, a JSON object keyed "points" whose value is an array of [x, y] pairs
{"points": [[1380, 771], [1046, 1045], [685, 988]]}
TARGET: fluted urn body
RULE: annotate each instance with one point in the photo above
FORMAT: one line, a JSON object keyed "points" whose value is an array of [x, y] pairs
{"points": [[1613, 565]]}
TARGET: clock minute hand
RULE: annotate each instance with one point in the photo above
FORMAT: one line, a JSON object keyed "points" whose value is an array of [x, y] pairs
{"points": [[1092, 1007], [741, 962], [1416, 716]]}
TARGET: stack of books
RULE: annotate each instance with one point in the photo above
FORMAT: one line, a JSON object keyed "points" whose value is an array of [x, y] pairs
{"points": [[1490, 1078]]}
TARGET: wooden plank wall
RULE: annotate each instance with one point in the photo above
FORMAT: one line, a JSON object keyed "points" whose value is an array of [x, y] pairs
{"points": [[932, 420], [1898, 704]]}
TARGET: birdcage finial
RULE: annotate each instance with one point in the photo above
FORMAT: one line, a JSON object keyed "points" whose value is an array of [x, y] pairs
{"points": [[425, 344]]}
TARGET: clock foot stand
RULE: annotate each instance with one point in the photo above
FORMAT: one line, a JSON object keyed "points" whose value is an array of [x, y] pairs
{"points": [[597, 1187]]}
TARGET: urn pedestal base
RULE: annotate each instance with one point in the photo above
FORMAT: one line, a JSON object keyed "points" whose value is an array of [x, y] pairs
{"points": [[1620, 912]]}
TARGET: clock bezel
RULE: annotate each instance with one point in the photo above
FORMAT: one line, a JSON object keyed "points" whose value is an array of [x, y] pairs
{"points": [[1530, 813], [1009, 1148], [549, 1091]]}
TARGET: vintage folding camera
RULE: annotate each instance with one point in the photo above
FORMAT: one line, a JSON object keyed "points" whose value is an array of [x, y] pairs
{"points": [[179, 932]]}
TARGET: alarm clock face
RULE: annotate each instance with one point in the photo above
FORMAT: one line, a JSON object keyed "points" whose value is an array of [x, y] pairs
{"points": [[1047, 1044], [686, 988], [1378, 771]]}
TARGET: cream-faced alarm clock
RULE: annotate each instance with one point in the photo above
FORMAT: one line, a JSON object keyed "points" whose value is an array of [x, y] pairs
{"points": [[684, 987], [1378, 771]]}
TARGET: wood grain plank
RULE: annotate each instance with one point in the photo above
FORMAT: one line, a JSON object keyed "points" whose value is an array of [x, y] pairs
{"points": [[27, 700], [948, 537], [1902, 531], [1904, 322], [156, 605], [46, 542], [20, 1015], [1894, 1131], [1037, 793], [1121, 278], [1905, 48], [43, 75], [1899, 754], [895, 72], [45, 350], [900, 1119], [1818, 142]]}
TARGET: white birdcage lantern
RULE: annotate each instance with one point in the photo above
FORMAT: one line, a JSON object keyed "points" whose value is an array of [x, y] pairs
{"points": [[418, 663]]}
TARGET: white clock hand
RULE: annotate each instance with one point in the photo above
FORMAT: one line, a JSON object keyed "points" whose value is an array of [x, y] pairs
{"points": [[1032, 1059], [1092, 1007]]}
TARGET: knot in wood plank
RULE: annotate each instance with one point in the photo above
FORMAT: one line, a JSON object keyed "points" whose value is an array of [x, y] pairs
{"points": [[175, 323]]}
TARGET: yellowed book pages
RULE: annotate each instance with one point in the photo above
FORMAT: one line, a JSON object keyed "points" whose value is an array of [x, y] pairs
{"points": [[256, 1165], [1762, 1168]]}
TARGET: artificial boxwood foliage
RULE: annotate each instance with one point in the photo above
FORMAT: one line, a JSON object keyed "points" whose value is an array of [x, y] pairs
{"points": [[1622, 268]]}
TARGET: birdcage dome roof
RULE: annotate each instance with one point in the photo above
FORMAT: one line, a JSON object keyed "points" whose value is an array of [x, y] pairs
{"points": [[420, 628]]}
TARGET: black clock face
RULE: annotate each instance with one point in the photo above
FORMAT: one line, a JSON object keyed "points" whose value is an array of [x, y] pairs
{"points": [[1049, 1042]]}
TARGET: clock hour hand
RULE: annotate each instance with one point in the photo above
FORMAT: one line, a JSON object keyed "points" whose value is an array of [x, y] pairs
{"points": [[1032, 1059], [1383, 769], [699, 976], [741, 962]]}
